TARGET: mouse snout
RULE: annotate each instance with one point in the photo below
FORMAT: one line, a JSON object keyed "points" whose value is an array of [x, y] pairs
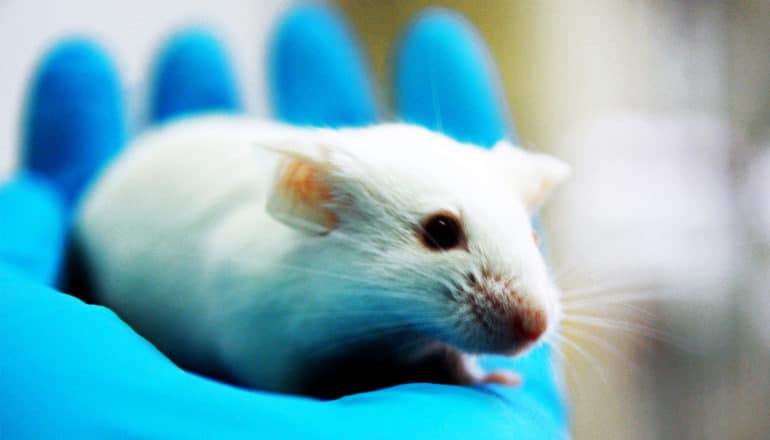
{"points": [[529, 324], [514, 318]]}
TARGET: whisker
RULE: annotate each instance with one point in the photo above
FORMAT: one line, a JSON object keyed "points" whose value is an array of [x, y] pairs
{"points": [[584, 334], [611, 298], [598, 290], [634, 329], [572, 377], [591, 359]]}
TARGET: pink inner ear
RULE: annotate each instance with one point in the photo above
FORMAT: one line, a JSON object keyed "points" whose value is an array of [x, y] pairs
{"points": [[302, 193]]}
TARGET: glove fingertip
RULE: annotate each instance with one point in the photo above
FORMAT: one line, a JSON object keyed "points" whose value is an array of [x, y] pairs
{"points": [[445, 79], [74, 120], [32, 226], [192, 74], [317, 73]]}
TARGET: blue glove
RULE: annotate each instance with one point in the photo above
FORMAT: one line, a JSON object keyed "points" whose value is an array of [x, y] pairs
{"points": [[71, 370]]}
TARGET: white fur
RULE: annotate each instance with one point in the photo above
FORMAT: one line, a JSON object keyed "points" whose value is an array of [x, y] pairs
{"points": [[180, 244]]}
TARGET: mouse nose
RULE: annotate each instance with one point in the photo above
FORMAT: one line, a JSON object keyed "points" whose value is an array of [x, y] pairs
{"points": [[530, 324]]}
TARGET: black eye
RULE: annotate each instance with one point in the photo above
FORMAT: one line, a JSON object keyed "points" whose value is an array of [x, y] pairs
{"points": [[441, 232]]}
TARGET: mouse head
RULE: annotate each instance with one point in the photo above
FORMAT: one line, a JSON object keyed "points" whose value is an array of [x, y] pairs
{"points": [[441, 229]]}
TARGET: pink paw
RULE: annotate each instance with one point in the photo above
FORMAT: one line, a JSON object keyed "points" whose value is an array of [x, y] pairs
{"points": [[502, 377]]}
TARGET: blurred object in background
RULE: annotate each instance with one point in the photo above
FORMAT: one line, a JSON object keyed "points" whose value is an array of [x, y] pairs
{"points": [[651, 208], [755, 203], [756, 209], [663, 108]]}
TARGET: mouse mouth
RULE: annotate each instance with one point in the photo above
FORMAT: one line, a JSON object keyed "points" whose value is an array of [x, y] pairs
{"points": [[500, 334], [501, 319]]}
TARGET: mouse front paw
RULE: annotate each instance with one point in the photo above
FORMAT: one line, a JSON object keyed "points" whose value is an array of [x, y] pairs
{"points": [[502, 377], [479, 377]]}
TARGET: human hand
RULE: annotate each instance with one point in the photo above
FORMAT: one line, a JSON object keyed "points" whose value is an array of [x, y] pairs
{"points": [[77, 371]]}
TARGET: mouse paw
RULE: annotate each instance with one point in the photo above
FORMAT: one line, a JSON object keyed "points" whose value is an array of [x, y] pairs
{"points": [[502, 377], [498, 377]]}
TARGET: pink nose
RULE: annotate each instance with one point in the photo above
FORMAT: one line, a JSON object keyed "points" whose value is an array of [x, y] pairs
{"points": [[530, 324]]}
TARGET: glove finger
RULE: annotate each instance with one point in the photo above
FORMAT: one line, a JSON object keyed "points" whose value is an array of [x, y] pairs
{"points": [[317, 75], [74, 120], [192, 74], [32, 226], [445, 80]]}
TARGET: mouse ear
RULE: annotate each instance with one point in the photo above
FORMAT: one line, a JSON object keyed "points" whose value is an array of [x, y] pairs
{"points": [[300, 194], [534, 175]]}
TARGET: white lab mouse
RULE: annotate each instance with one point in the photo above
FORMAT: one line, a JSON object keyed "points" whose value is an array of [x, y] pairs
{"points": [[322, 262]]}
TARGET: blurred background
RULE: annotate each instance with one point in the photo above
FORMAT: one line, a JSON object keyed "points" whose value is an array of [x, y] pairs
{"points": [[662, 239]]}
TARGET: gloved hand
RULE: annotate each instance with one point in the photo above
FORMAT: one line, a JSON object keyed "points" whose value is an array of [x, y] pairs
{"points": [[72, 370]]}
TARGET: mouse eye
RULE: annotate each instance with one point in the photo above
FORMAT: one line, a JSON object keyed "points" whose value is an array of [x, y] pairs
{"points": [[441, 232]]}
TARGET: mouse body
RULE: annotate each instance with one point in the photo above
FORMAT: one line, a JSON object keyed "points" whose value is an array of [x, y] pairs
{"points": [[321, 261]]}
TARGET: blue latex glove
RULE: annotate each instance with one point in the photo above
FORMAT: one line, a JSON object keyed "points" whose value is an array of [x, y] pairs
{"points": [[71, 370]]}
